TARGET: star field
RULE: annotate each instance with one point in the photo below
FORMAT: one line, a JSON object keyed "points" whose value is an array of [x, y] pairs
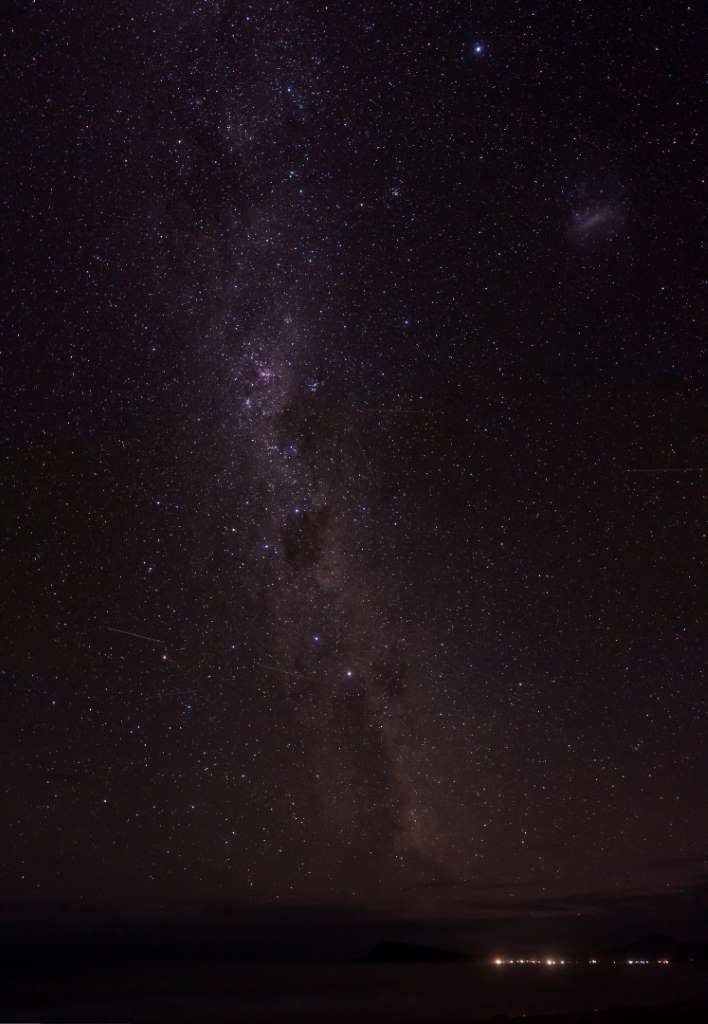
{"points": [[353, 448]]}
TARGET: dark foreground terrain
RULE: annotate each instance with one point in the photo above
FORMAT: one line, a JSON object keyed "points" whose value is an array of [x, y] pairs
{"points": [[653, 1014], [351, 993]]}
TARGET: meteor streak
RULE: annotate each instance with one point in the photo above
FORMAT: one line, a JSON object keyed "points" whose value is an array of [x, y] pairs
{"points": [[140, 636]]}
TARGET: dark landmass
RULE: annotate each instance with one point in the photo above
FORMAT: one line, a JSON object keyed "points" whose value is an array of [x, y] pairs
{"points": [[397, 992], [407, 953], [218, 971], [685, 1013]]}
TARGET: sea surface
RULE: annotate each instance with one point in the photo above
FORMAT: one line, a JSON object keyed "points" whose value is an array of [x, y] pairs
{"points": [[343, 992]]}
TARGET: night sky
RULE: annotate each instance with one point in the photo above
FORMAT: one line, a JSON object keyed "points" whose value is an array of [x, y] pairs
{"points": [[353, 457]]}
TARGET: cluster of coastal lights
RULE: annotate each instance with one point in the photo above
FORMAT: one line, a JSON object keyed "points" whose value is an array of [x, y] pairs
{"points": [[664, 963], [554, 962], [548, 962]]}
